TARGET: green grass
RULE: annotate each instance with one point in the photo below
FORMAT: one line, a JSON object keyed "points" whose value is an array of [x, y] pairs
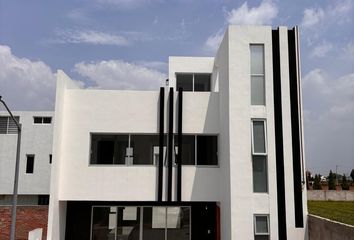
{"points": [[338, 211]]}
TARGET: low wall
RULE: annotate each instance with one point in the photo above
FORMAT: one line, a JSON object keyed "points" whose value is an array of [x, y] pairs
{"points": [[27, 219], [325, 229], [324, 195]]}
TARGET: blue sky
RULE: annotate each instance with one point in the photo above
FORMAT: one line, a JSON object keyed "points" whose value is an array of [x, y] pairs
{"points": [[125, 44]]}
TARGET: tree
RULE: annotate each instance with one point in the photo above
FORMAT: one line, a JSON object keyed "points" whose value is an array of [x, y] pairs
{"points": [[345, 184], [331, 181], [352, 175], [317, 183], [308, 180]]}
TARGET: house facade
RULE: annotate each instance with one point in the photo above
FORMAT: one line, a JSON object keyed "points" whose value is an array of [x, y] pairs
{"points": [[215, 154]]}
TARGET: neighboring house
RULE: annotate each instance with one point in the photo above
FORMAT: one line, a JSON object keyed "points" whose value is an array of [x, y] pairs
{"points": [[222, 159], [34, 170], [35, 157]]}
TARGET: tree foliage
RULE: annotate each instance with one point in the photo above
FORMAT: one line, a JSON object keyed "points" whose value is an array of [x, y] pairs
{"points": [[317, 183], [331, 181], [345, 184], [352, 175]]}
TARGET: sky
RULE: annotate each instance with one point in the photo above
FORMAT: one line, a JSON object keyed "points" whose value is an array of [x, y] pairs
{"points": [[125, 44]]}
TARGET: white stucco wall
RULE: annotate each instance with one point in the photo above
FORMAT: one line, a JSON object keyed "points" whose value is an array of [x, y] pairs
{"points": [[36, 139], [226, 111]]}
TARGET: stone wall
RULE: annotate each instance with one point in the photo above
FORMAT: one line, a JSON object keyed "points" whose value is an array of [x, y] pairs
{"points": [[324, 195], [325, 229], [28, 218]]}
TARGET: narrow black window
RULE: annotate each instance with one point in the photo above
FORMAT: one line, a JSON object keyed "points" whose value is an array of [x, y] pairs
{"points": [[50, 158], [47, 120], [185, 81], [30, 164], [105, 151], [43, 199], [207, 150], [37, 120]]}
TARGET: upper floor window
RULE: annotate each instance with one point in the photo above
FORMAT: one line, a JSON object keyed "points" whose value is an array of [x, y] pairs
{"points": [[8, 125], [132, 149], [198, 82], [42, 120], [257, 74], [259, 157]]}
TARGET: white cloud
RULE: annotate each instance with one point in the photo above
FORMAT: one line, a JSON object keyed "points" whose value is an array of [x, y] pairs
{"points": [[337, 12], [25, 84], [213, 41], [117, 74], [90, 37], [312, 17], [263, 14], [349, 49], [322, 49], [329, 114]]}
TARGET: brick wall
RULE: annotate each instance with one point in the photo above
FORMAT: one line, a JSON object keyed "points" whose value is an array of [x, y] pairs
{"points": [[28, 218]]}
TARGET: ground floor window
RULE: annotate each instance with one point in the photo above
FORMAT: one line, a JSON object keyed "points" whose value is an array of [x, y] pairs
{"points": [[140, 223]]}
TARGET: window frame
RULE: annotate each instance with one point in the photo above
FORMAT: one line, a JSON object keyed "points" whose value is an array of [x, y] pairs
{"points": [[193, 79], [27, 156], [265, 136], [255, 225], [258, 74], [255, 154], [7, 127], [175, 150], [42, 122]]}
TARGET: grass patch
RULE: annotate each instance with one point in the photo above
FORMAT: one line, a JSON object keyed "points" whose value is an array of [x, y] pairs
{"points": [[339, 211]]}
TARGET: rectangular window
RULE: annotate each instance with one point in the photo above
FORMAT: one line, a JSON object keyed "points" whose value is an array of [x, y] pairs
{"points": [[42, 120], [141, 223], [8, 125], [43, 199], [30, 164], [198, 82], [261, 227], [50, 158], [259, 157], [257, 74], [207, 150]]}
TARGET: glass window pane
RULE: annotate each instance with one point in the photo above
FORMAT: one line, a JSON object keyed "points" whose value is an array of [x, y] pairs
{"points": [[207, 150], [257, 90], [108, 149], [202, 82], [261, 224], [37, 119], [260, 174], [185, 81], [178, 223], [258, 137], [103, 225], [257, 59], [154, 223], [128, 223], [30, 164], [143, 148], [188, 149], [47, 120], [3, 125]]}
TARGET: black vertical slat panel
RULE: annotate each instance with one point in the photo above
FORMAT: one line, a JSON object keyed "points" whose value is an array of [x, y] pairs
{"points": [[179, 140], [161, 143], [170, 147], [279, 151], [295, 129]]}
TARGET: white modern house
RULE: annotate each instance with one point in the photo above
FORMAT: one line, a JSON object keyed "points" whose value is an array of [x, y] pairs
{"points": [[35, 157], [217, 154]]}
